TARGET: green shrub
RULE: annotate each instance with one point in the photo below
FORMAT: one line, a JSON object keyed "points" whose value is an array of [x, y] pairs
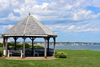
{"points": [[37, 46], [19, 46], [11, 46], [61, 55], [1, 44], [11, 43], [26, 45]]}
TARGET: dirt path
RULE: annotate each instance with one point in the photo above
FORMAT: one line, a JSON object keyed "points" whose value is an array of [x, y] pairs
{"points": [[2, 57]]}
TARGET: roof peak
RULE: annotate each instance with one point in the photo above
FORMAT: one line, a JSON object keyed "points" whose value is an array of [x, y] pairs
{"points": [[29, 13]]}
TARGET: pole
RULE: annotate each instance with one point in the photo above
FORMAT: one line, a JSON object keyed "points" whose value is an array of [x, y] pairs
{"points": [[54, 45], [45, 51]]}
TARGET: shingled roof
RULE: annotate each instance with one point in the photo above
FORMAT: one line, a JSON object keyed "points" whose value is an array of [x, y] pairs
{"points": [[29, 26]]}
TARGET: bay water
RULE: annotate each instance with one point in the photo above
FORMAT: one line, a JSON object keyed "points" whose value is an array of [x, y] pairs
{"points": [[76, 47]]}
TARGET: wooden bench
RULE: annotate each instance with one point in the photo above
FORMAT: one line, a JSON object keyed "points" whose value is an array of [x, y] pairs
{"points": [[10, 52], [35, 53]]}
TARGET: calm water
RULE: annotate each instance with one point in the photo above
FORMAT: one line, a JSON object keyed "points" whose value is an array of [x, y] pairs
{"points": [[75, 47]]}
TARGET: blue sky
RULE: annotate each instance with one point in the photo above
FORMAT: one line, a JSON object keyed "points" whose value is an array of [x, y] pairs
{"points": [[71, 20]]}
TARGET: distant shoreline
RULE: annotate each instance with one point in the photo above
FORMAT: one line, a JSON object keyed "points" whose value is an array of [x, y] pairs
{"points": [[64, 43]]}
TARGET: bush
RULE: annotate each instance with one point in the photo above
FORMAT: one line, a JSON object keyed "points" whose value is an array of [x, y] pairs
{"points": [[11, 43], [26, 45], [19, 46], [1, 44], [37, 46], [61, 55]]}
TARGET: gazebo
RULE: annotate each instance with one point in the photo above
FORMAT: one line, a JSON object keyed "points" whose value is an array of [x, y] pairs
{"points": [[29, 27]]}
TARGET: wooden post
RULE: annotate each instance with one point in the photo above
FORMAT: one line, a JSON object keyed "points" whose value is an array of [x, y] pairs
{"points": [[45, 51], [3, 42], [15, 43], [48, 46], [32, 38], [32, 46], [15, 38], [54, 46], [23, 47], [6, 46]]}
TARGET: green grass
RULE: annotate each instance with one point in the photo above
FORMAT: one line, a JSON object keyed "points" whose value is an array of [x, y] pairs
{"points": [[76, 58], [38, 46]]}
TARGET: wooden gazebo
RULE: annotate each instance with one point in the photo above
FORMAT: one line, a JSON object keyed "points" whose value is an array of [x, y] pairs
{"points": [[32, 28]]}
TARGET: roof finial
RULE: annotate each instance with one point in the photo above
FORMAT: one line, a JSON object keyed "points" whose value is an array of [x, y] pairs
{"points": [[29, 13]]}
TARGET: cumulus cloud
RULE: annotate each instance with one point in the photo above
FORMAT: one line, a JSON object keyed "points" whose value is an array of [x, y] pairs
{"points": [[14, 2], [4, 4], [69, 12], [7, 26], [73, 28], [4, 28], [60, 10]]}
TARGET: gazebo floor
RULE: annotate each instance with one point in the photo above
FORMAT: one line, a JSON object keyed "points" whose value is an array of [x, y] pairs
{"points": [[30, 58]]}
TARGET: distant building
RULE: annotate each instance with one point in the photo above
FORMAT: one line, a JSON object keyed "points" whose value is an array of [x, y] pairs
{"points": [[1, 39]]}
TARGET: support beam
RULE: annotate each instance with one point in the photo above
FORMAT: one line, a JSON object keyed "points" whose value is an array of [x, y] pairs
{"points": [[48, 46], [15, 38], [45, 51], [32, 46], [32, 38], [6, 46], [3, 42], [15, 43], [24, 47], [54, 45]]}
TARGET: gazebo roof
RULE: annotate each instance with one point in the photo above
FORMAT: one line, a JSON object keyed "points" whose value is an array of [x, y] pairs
{"points": [[30, 26]]}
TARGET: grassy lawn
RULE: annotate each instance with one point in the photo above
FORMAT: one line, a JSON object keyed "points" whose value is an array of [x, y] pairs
{"points": [[76, 58]]}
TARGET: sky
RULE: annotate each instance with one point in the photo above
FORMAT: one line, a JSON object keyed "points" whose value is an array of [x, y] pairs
{"points": [[71, 20]]}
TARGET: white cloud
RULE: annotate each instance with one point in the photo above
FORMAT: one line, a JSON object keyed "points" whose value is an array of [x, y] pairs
{"points": [[68, 7], [7, 26], [14, 2], [85, 25], [86, 30], [30, 2], [71, 27], [95, 16], [4, 28], [69, 11], [12, 17], [61, 1], [4, 3], [78, 28], [75, 17], [95, 3], [52, 5], [45, 5], [77, 4], [55, 9]]}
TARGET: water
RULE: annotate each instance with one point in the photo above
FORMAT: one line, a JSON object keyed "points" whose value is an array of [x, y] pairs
{"points": [[76, 47]]}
